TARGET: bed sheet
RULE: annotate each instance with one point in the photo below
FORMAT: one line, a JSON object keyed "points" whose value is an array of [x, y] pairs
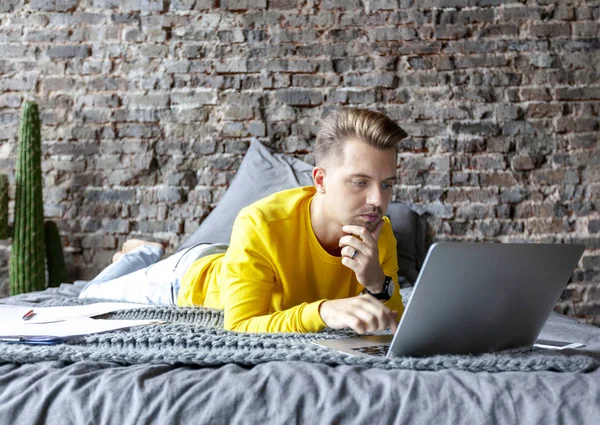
{"points": [[91, 392]]}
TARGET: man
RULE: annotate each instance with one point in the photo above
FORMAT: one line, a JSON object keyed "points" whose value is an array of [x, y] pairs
{"points": [[306, 258]]}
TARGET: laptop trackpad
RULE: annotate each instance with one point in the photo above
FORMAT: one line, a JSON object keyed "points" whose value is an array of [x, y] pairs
{"points": [[369, 345]]}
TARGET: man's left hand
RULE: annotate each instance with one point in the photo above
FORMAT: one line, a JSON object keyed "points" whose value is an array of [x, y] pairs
{"points": [[362, 255]]}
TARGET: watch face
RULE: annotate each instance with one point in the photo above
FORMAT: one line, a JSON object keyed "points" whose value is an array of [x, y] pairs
{"points": [[390, 286]]}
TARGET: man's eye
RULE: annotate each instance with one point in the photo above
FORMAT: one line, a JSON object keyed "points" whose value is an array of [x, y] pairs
{"points": [[387, 185], [359, 183]]}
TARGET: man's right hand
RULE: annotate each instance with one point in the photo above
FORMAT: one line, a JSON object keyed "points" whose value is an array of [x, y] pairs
{"points": [[363, 313]]}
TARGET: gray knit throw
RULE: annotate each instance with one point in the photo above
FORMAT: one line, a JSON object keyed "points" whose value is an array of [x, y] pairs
{"points": [[195, 336]]}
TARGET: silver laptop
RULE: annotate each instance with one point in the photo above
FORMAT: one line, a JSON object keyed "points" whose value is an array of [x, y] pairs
{"points": [[473, 298]]}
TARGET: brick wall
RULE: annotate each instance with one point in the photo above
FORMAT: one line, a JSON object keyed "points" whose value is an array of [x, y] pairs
{"points": [[148, 107]]}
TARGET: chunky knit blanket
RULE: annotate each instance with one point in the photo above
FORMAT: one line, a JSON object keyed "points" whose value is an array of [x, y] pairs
{"points": [[195, 336]]}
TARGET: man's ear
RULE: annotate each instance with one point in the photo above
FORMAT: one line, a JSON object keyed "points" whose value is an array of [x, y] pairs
{"points": [[318, 174]]}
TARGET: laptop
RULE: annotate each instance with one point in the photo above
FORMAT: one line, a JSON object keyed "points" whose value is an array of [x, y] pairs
{"points": [[473, 298]]}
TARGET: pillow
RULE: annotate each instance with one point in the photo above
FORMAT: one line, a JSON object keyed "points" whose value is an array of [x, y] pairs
{"points": [[410, 231], [261, 173]]}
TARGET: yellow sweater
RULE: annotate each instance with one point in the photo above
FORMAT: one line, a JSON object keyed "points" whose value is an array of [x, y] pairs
{"points": [[275, 274]]}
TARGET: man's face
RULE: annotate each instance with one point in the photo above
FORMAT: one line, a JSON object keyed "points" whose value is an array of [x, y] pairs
{"points": [[359, 184]]}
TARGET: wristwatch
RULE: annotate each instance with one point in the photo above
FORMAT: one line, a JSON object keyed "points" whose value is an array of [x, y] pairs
{"points": [[387, 291]]}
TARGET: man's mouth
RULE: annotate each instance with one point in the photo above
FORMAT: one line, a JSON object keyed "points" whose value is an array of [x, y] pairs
{"points": [[370, 217]]}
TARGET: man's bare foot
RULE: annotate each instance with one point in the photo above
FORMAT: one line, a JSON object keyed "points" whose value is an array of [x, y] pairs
{"points": [[131, 244]]}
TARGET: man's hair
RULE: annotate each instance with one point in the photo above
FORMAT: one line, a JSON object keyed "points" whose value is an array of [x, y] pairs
{"points": [[371, 127]]}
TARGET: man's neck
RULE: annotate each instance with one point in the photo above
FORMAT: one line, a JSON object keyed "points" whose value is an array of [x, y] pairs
{"points": [[327, 235]]}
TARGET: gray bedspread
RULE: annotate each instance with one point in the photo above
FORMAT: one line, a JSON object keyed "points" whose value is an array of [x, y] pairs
{"points": [[101, 392]]}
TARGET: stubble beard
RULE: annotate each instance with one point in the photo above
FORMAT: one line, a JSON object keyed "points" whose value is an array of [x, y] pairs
{"points": [[363, 223], [370, 226]]}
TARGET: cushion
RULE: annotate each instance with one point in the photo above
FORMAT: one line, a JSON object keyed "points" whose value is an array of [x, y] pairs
{"points": [[410, 232], [261, 173]]}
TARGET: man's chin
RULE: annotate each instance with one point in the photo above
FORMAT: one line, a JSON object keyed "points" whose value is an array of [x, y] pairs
{"points": [[369, 225]]}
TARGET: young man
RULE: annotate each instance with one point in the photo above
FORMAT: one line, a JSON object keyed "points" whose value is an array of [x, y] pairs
{"points": [[305, 258]]}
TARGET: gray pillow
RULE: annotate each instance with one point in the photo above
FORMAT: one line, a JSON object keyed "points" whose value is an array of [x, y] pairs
{"points": [[261, 173], [410, 231]]}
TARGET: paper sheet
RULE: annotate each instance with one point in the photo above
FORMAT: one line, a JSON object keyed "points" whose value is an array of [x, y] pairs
{"points": [[67, 328], [14, 314]]}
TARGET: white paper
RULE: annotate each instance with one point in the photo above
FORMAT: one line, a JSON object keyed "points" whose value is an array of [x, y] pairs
{"points": [[562, 347], [14, 314], [68, 328]]}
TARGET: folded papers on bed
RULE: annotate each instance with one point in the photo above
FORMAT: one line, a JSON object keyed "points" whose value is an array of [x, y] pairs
{"points": [[58, 324], [64, 330], [14, 314]]}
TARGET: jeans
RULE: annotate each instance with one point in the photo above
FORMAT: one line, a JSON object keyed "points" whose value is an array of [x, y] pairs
{"points": [[139, 277]]}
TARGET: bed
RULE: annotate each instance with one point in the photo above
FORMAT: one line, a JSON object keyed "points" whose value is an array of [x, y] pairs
{"points": [[116, 378], [190, 370]]}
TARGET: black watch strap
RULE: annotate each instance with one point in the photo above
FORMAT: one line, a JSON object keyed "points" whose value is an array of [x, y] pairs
{"points": [[387, 291]]}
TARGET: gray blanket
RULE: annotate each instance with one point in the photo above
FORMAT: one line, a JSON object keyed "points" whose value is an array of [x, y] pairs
{"points": [[99, 391], [203, 342], [196, 336]]}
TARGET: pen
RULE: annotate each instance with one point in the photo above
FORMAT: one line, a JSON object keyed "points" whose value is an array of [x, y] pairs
{"points": [[28, 315]]}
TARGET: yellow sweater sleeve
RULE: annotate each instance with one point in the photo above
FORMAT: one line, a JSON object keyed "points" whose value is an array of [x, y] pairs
{"points": [[249, 279]]}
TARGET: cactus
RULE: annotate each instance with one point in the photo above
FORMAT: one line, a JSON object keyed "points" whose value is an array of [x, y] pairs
{"points": [[31, 234], [57, 272], [4, 229], [27, 263]]}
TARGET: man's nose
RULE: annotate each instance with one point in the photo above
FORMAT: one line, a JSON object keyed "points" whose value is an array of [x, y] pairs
{"points": [[375, 197]]}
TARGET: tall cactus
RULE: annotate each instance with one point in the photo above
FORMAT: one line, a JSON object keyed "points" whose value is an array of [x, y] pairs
{"points": [[4, 229], [27, 265], [55, 259]]}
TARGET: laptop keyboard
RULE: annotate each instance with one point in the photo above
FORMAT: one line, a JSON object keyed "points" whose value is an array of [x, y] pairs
{"points": [[374, 350]]}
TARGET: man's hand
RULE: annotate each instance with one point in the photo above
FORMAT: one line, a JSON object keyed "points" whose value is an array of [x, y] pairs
{"points": [[362, 313], [362, 255]]}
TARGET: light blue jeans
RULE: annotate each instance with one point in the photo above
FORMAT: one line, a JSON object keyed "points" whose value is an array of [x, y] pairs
{"points": [[139, 277]]}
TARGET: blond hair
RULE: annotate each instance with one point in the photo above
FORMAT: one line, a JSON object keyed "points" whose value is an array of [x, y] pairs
{"points": [[371, 127]]}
